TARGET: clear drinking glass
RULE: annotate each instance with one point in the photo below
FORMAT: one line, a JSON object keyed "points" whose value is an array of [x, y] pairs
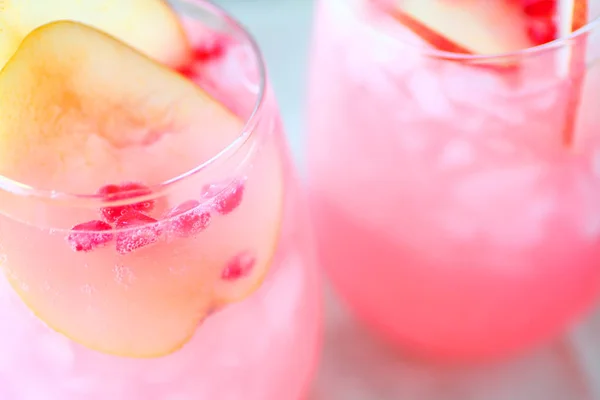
{"points": [[183, 273], [456, 197]]}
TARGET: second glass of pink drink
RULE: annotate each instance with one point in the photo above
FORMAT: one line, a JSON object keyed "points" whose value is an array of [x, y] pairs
{"points": [[454, 168], [151, 236]]}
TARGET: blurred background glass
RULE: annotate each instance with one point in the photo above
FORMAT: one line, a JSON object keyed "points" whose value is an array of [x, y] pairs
{"points": [[357, 366]]}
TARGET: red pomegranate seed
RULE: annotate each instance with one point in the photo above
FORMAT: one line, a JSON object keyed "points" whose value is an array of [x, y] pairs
{"points": [[188, 219], [140, 231], [124, 191], [541, 31], [89, 236], [225, 198], [540, 8], [239, 266], [186, 71], [211, 49]]}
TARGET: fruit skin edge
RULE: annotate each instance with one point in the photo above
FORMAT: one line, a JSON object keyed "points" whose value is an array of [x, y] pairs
{"points": [[185, 59], [444, 44], [98, 349], [440, 42], [272, 257], [16, 285]]}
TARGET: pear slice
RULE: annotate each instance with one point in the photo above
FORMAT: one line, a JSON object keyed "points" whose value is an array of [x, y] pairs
{"points": [[150, 26], [77, 102], [473, 26], [95, 101], [466, 26]]}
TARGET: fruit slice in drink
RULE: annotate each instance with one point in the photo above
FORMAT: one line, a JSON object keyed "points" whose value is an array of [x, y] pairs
{"points": [[159, 35], [465, 26], [484, 27], [77, 105], [499, 27]]}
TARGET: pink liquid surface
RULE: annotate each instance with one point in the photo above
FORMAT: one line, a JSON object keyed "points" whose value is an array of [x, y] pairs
{"points": [[262, 348], [449, 214]]}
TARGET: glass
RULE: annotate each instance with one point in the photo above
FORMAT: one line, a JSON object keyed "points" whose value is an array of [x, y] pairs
{"points": [[456, 198], [194, 282]]}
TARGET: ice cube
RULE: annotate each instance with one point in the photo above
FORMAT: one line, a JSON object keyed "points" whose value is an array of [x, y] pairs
{"points": [[83, 385], [179, 396], [501, 147], [37, 390], [11, 346], [474, 123], [481, 91], [470, 86], [378, 61], [169, 369], [515, 191], [6, 292], [544, 100], [238, 68], [456, 154], [56, 351], [427, 91], [499, 181], [367, 74], [411, 142]]}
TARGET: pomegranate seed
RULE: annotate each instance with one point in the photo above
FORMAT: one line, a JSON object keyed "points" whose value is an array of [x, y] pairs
{"points": [[89, 235], [541, 31], [188, 219], [225, 198], [540, 8], [147, 232], [211, 49], [187, 71], [121, 192], [239, 266]]}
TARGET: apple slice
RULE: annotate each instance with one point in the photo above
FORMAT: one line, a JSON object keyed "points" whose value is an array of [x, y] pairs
{"points": [[466, 26], [499, 27], [150, 26], [474, 26], [77, 102]]}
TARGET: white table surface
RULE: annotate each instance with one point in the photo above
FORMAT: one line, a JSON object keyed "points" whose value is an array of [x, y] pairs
{"points": [[355, 365]]}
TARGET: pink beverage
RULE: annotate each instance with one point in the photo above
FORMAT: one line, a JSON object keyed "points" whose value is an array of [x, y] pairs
{"points": [[453, 169], [151, 234]]}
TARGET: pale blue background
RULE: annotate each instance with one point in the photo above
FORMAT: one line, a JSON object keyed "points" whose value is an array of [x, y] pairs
{"points": [[282, 28]]}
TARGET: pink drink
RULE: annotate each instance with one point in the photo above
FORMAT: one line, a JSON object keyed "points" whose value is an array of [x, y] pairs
{"points": [[158, 305], [452, 212]]}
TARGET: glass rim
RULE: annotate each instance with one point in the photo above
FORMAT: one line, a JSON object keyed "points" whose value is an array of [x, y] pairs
{"points": [[22, 189], [532, 51]]}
